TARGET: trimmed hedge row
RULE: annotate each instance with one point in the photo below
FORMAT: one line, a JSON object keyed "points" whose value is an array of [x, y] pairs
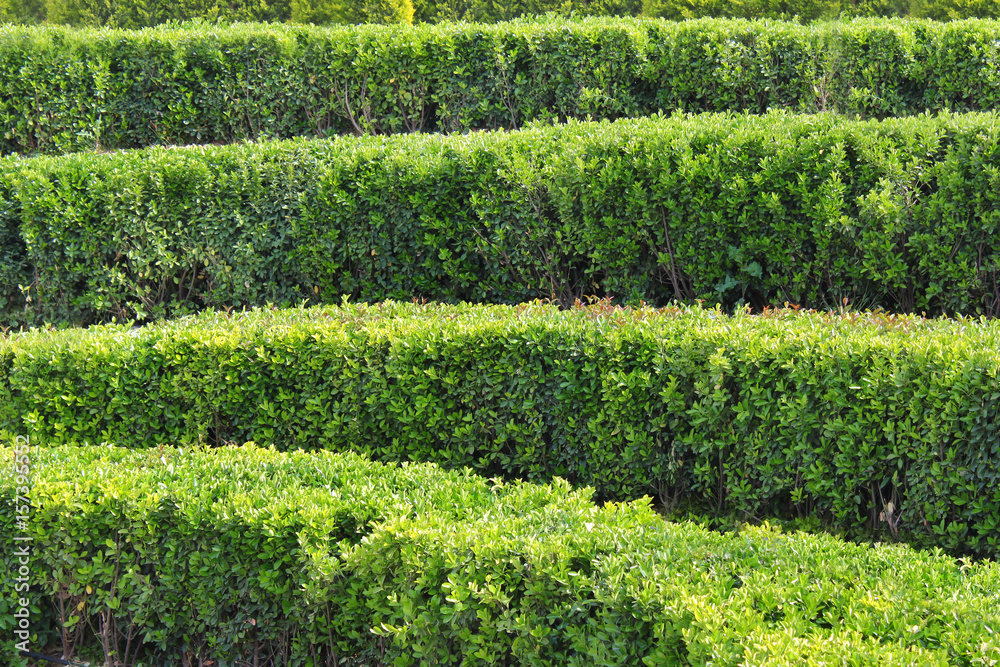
{"points": [[70, 90], [142, 13], [133, 14], [818, 10], [491, 11], [854, 422], [244, 554], [900, 214]]}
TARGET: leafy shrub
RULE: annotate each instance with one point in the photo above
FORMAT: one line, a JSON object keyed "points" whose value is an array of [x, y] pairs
{"points": [[145, 13], [26, 12], [803, 10], [287, 558], [339, 11], [786, 415], [899, 214], [134, 14], [386, 11], [487, 11], [952, 10], [74, 90]]}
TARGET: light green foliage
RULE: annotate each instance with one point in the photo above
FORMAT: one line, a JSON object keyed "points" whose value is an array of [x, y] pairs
{"points": [[953, 10], [25, 12], [860, 423], [319, 11], [760, 210], [322, 12], [435, 11], [22, 12], [386, 11], [75, 90], [206, 554], [135, 14], [143, 13], [800, 10]]}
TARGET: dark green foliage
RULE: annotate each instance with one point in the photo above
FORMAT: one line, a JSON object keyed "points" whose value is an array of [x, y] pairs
{"points": [[951, 10], [298, 558], [812, 210], [25, 12], [144, 13], [322, 12], [437, 11], [70, 90], [133, 14], [800, 10], [859, 423]]}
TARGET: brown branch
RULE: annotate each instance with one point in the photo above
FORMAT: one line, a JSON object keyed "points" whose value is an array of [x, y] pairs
{"points": [[679, 282], [350, 112]]}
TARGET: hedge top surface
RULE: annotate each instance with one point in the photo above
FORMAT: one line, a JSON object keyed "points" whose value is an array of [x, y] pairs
{"points": [[53, 36], [975, 336], [264, 487]]}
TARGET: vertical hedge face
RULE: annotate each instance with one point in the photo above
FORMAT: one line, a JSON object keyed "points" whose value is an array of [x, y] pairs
{"points": [[812, 210], [72, 90], [134, 14]]}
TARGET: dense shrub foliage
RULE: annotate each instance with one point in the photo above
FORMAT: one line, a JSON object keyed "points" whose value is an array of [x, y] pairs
{"points": [[132, 14], [862, 423], [817, 10], [487, 11], [69, 90], [248, 555], [802, 10], [900, 214], [144, 13]]}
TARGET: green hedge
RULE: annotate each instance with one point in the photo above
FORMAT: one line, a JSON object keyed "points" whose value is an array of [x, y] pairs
{"points": [[348, 11], [133, 14], [799, 10], [306, 558], [70, 90], [825, 418], [490, 11], [820, 10], [141, 13], [899, 214]]}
